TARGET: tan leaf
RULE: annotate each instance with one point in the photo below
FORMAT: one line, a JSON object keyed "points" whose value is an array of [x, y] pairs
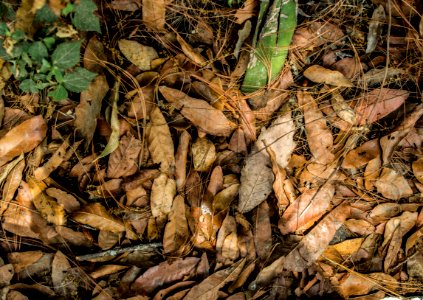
{"points": [[108, 239], [360, 227], [372, 172], [181, 160], [361, 155], [88, 109], [126, 5], [22, 138], [320, 74], [375, 76], [208, 289], [96, 215], [319, 136], [165, 273], [263, 231], [53, 163], [343, 250], [13, 181], [224, 198], [138, 54], [379, 103], [160, 143], [342, 109], [203, 154], [418, 169], [248, 121], [162, 193], [199, 112], [141, 103], [227, 250], [176, 232], [384, 212], [190, 52], [94, 56], [245, 12], [306, 209], [61, 283], [105, 270], [67, 201], [153, 13], [393, 185], [375, 28], [123, 161]]}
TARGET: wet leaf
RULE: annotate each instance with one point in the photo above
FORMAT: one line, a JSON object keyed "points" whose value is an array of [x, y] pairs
{"points": [[123, 161], [22, 138], [96, 215], [203, 154], [138, 54], [320, 74]]}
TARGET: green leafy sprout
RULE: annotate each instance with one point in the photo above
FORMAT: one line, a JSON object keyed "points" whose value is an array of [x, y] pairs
{"points": [[48, 62]]}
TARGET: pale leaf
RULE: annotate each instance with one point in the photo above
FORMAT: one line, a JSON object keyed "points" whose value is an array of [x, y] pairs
{"points": [[162, 193], [320, 74], [153, 13], [96, 215], [393, 185], [203, 154], [138, 54], [53, 163]]}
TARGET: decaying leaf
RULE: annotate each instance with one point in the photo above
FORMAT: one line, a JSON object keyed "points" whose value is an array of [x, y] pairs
{"points": [[96, 215], [199, 112], [162, 193], [13, 181], [203, 154], [375, 28], [208, 289], [393, 185], [22, 138], [53, 163], [160, 143], [138, 54], [361, 155], [94, 56], [320, 74]]}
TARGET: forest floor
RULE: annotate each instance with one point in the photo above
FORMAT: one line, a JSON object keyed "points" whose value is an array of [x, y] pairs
{"points": [[133, 164]]}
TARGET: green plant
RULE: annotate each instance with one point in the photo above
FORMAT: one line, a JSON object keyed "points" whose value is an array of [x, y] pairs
{"points": [[50, 60]]}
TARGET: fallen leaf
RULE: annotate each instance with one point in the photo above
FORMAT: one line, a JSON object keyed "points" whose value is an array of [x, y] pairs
{"points": [[245, 12], [227, 242], [138, 54], [224, 198], [393, 185], [341, 108], [94, 56], [160, 143], [203, 154], [375, 76], [67, 201], [319, 136], [53, 163], [126, 5], [384, 212], [22, 138], [123, 162], [105, 270], [199, 112], [360, 156], [378, 103], [190, 52], [418, 169], [176, 232], [13, 181], [96, 215], [375, 28], [162, 193], [141, 102], [153, 13], [320, 74], [62, 283], [263, 231], [208, 289], [181, 160]]}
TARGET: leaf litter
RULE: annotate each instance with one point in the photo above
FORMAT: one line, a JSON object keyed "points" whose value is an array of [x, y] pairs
{"points": [[186, 188]]}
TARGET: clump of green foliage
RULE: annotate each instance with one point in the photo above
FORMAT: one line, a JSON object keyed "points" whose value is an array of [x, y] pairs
{"points": [[48, 60]]}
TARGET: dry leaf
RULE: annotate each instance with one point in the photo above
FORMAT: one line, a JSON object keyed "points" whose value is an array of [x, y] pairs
{"points": [[224, 198], [418, 169], [208, 289], [160, 143], [384, 212], [176, 232], [96, 215], [199, 112], [375, 28], [306, 209], [13, 181], [342, 109], [53, 163], [195, 57], [123, 161], [67, 201], [245, 12], [126, 5], [94, 56], [162, 193], [138, 54], [181, 160], [379, 103], [361, 155], [320, 74], [263, 231], [62, 283], [393, 185], [319, 136], [88, 109], [142, 102], [153, 13], [203, 154], [22, 138]]}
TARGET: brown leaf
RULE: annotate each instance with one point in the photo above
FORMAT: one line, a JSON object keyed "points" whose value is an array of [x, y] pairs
{"points": [[162, 193], [160, 143], [165, 273], [208, 289], [53, 163], [105, 270], [319, 136], [315, 242], [181, 160], [361, 155], [224, 198], [67, 201], [384, 212], [227, 242], [199, 112], [62, 283], [96, 215], [94, 56], [153, 13], [418, 169], [393, 185], [190, 52], [306, 209], [245, 12], [123, 162], [88, 109], [126, 5], [176, 232], [320, 74], [141, 103], [263, 231], [22, 138], [75, 238], [379, 103], [375, 28], [138, 54], [203, 154], [13, 181]]}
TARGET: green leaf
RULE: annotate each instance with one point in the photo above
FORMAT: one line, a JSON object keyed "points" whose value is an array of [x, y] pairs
{"points": [[3, 53], [6, 11], [57, 74], [38, 51], [45, 66], [68, 9], [18, 35], [59, 93], [42, 85], [39, 77], [4, 30], [78, 80], [84, 18], [28, 86], [49, 42], [66, 55], [45, 15]]}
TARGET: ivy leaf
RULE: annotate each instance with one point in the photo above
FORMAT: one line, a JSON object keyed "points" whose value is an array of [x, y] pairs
{"points": [[45, 15], [18, 35], [59, 93], [38, 51], [28, 86], [84, 18], [4, 30], [66, 55], [68, 9], [78, 80], [49, 41], [45, 66]]}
